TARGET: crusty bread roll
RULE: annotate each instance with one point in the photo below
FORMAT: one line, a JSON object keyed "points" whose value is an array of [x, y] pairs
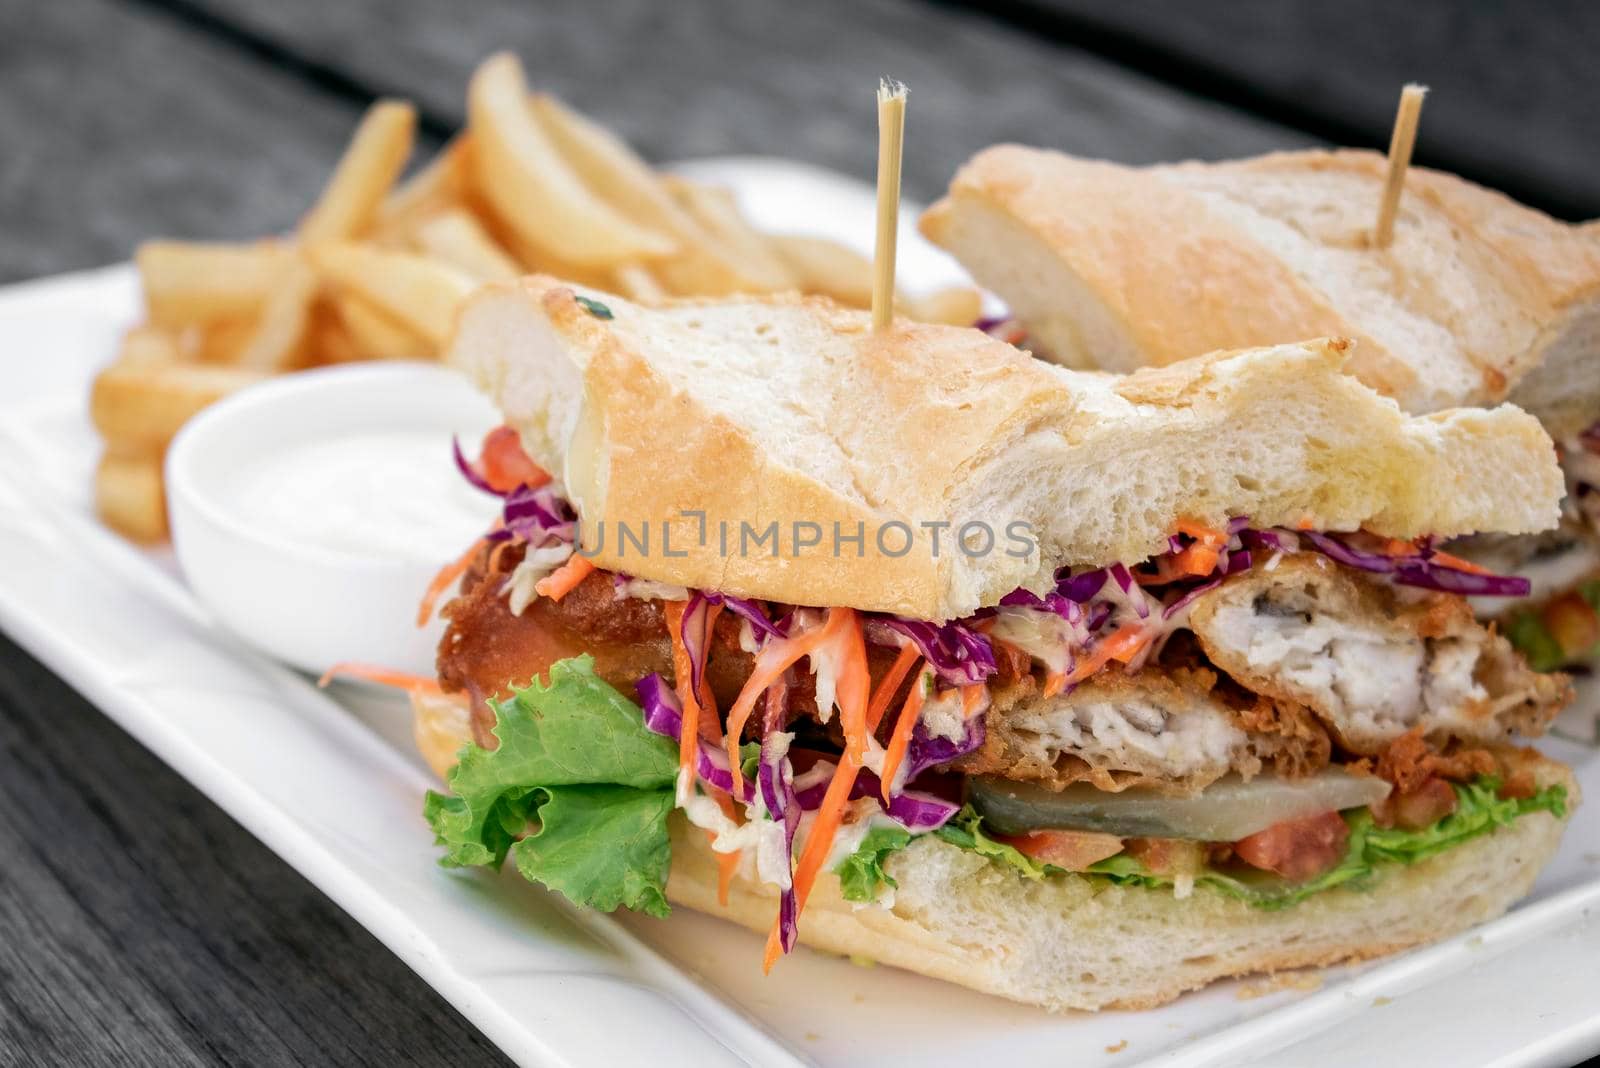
{"points": [[1075, 942], [785, 410], [1477, 300]]}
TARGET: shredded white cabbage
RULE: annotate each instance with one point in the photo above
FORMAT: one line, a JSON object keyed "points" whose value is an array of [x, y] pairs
{"points": [[1043, 635], [747, 637], [536, 565], [824, 665], [651, 590], [944, 716]]}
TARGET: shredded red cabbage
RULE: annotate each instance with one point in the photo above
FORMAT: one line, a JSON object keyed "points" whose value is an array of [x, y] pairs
{"points": [[469, 472], [925, 752], [1430, 575], [753, 612], [663, 714], [1421, 569], [537, 516], [696, 635], [1054, 601], [775, 778], [1082, 587], [958, 655]]}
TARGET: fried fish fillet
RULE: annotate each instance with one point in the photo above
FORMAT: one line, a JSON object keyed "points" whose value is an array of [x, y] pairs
{"points": [[1369, 659], [1173, 728]]}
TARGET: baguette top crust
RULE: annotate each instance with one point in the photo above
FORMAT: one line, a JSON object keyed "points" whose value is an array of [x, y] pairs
{"points": [[763, 410], [1477, 300]]}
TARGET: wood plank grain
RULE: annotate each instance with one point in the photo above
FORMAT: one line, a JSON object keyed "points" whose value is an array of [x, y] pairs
{"points": [[119, 124], [705, 77], [1515, 86], [140, 925]]}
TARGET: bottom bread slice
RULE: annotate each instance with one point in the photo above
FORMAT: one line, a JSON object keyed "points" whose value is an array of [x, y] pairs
{"points": [[1080, 942]]}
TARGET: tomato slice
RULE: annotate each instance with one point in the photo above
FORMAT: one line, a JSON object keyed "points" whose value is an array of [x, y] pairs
{"points": [[1169, 856], [505, 465], [1297, 849], [1068, 850]]}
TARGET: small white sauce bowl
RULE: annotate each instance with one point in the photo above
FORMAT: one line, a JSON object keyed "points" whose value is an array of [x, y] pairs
{"points": [[299, 599]]}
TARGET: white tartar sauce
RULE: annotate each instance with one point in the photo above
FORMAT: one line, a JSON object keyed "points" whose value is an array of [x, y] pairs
{"points": [[374, 493]]}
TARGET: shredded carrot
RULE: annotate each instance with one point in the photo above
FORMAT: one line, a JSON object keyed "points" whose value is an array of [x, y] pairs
{"points": [[884, 693], [1200, 532], [1198, 559], [1307, 521], [727, 863], [854, 684], [829, 816], [1401, 547], [1452, 561], [1054, 683], [1124, 643], [564, 579], [851, 690], [381, 675], [777, 700], [689, 732], [710, 721], [1121, 645], [971, 698], [775, 658], [441, 582], [901, 739]]}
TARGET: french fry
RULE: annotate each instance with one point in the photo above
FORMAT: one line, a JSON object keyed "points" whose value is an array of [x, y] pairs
{"points": [[459, 239], [374, 159], [740, 243], [701, 267], [826, 267], [533, 189], [330, 340], [375, 334], [276, 342], [129, 495], [955, 305], [532, 260], [637, 283], [417, 291], [146, 345], [221, 342], [440, 184], [612, 170], [369, 166], [190, 283], [139, 405]]}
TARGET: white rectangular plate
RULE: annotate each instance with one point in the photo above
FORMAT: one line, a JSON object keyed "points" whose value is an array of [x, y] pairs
{"points": [[333, 787]]}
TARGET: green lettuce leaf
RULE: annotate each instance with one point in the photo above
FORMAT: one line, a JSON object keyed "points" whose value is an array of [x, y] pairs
{"points": [[965, 829], [1479, 810], [861, 874], [601, 846], [578, 788]]}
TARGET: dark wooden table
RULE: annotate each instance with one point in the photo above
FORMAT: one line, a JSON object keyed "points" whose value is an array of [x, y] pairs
{"points": [[138, 923]]}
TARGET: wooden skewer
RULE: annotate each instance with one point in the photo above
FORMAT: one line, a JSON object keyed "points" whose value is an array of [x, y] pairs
{"points": [[891, 139], [1401, 142]]}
